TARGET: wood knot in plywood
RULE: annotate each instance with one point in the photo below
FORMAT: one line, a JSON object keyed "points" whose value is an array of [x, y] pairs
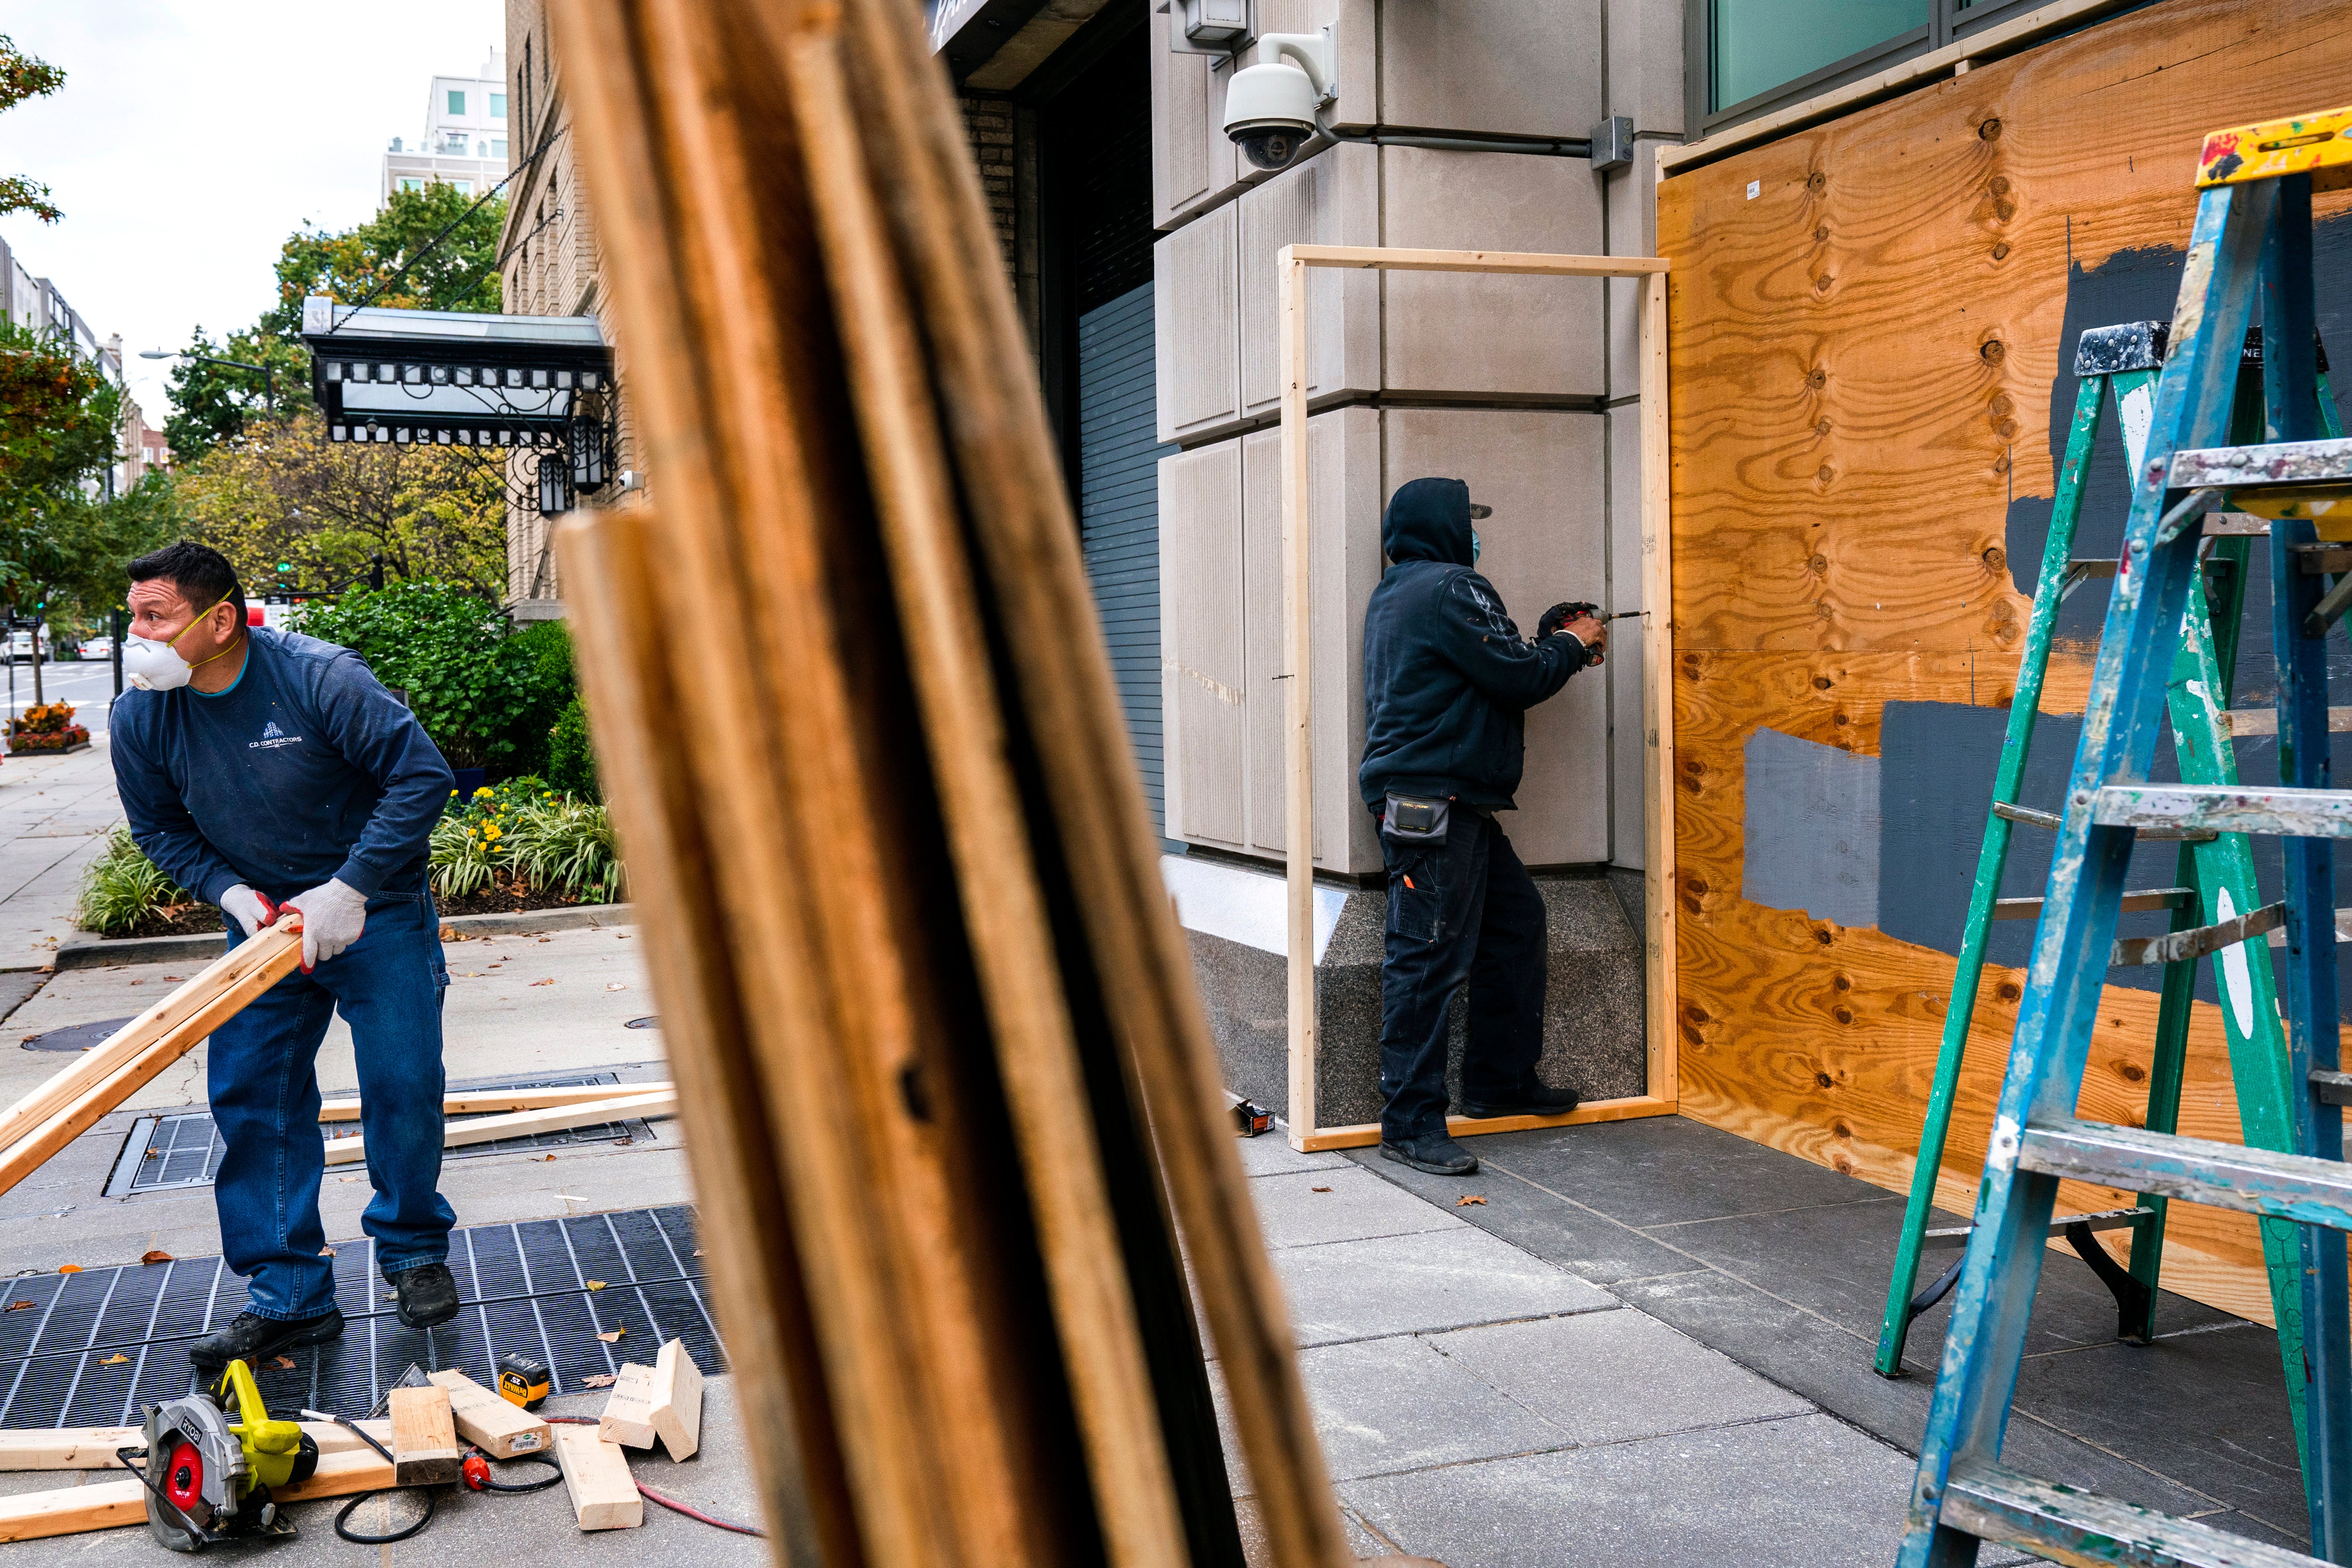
{"points": [[1990, 130], [1822, 234], [2008, 991], [1842, 982], [2001, 405], [1996, 559], [1825, 473], [1821, 683], [1817, 182], [1993, 352], [2001, 251], [1998, 185], [1818, 379], [1694, 1014], [1822, 284], [1824, 1081], [1819, 565], [1822, 425], [1842, 1015]]}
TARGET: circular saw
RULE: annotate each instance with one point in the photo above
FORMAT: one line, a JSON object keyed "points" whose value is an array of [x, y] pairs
{"points": [[208, 1477]]}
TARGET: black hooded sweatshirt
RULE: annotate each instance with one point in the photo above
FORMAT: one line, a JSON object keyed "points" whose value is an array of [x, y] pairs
{"points": [[1448, 678]]}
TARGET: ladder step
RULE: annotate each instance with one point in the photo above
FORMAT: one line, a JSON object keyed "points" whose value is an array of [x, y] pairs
{"points": [[2050, 819], [2240, 721], [2323, 559], [2179, 946], [2134, 903], [2220, 1175], [2277, 463], [2053, 1521], [2226, 808], [2331, 1088], [2102, 1219], [2343, 930]]}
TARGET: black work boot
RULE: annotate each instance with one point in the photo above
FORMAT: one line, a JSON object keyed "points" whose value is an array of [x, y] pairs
{"points": [[1532, 1099], [254, 1339], [428, 1295], [1435, 1152]]}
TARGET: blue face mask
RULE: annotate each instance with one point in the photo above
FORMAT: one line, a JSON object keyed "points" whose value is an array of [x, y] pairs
{"points": [[1474, 547]]}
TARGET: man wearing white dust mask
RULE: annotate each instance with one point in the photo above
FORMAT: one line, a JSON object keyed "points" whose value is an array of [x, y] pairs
{"points": [[263, 769]]}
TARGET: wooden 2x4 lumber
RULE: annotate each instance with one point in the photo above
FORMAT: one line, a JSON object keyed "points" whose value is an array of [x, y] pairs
{"points": [[280, 953], [93, 1447], [674, 1404], [627, 1417], [199, 991], [103, 1505], [1364, 1134], [1531, 263], [1003, 903], [526, 1123], [1021, 516], [756, 1283], [491, 1101], [423, 1437], [596, 1475], [495, 1424], [718, 299]]}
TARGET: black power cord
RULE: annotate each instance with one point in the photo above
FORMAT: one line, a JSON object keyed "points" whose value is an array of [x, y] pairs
{"points": [[342, 1517]]}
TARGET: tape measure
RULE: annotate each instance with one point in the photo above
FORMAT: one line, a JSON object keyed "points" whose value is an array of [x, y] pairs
{"points": [[523, 1380]]}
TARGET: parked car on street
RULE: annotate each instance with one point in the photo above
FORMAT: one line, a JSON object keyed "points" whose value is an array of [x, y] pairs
{"points": [[20, 644], [99, 646]]}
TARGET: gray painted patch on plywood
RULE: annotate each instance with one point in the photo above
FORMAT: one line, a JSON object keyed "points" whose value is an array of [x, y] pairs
{"points": [[1812, 829]]}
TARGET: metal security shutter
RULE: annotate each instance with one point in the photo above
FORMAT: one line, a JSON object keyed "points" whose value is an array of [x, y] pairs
{"points": [[1118, 509]]}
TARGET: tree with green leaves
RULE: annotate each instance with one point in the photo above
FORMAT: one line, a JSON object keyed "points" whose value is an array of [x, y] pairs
{"points": [[390, 260], [23, 76], [284, 495]]}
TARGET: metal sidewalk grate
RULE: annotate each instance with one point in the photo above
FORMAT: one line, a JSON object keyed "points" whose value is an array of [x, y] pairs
{"points": [[170, 1153], [91, 1349]]}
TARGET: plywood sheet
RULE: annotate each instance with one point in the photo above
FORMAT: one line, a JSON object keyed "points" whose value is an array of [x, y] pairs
{"points": [[1870, 321]]}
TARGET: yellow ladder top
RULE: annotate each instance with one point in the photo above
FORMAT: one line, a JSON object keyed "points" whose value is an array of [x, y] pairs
{"points": [[2319, 145]]}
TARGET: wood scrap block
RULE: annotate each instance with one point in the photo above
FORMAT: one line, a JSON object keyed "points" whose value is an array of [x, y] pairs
{"points": [[596, 1475], [497, 1427], [675, 1402], [423, 1437], [629, 1415]]}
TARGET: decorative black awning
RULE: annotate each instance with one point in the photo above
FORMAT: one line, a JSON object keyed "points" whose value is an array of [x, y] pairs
{"points": [[456, 378]]}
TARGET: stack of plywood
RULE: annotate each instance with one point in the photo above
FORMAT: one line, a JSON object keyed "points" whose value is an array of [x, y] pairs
{"points": [[951, 1094]]}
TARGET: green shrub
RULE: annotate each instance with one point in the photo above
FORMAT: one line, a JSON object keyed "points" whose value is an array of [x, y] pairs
{"points": [[486, 698], [122, 886], [570, 759], [462, 858], [547, 648], [569, 844]]}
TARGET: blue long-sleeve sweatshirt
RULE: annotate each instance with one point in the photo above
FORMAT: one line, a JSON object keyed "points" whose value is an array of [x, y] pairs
{"points": [[1448, 678], [305, 769]]}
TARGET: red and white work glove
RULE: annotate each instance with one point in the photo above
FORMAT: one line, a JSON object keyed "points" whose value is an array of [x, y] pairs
{"points": [[333, 914], [248, 909]]}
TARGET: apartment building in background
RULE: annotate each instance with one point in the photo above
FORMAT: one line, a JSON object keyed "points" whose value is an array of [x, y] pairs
{"points": [[38, 306], [465, 139]]}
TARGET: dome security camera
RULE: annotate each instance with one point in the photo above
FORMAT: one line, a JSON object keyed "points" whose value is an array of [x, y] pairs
{"points": [[1271, 107]]}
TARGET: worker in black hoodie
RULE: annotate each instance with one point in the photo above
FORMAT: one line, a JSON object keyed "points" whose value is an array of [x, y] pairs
{"points": [[1447, 681]]}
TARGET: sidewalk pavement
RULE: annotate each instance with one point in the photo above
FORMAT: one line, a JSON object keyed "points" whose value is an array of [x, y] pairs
{"points": [[1488, 1408], [53, 814]]}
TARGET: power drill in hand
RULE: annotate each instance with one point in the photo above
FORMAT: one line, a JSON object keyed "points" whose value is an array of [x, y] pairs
{"points": [[1559, 615]]}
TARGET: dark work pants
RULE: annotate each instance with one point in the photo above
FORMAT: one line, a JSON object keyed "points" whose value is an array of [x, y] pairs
{"points": [[1471, 911]]}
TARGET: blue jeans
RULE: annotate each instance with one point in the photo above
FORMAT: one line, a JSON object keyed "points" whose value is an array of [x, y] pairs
{"points": [[1470, 912], [265, 1092]]}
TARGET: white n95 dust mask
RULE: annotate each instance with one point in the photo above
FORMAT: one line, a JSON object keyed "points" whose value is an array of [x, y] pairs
{"points": [[153, 666]]}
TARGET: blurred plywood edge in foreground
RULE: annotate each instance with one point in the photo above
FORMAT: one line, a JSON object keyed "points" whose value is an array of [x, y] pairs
{"points": [[913, 921]]}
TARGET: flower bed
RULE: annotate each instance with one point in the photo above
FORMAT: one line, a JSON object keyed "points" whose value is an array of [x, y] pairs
{"points": [[519, 845], [46, 727]]}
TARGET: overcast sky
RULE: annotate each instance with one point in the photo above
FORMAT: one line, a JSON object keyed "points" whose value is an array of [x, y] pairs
{"points": [[193, 136]]}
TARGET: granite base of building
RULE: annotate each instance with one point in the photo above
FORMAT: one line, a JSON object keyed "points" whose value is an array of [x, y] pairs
{"points": [[1593, 1004]]}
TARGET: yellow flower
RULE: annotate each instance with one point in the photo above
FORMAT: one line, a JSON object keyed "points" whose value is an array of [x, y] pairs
{"points": [[491, 831], [453, 791], [484, 793]]}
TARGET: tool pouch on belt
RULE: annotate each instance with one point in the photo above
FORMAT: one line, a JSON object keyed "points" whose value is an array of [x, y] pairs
{"points": [[1416, 819]]}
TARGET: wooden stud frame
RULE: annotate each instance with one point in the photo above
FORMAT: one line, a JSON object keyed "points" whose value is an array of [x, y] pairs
{"points": [[1662, 1078]]}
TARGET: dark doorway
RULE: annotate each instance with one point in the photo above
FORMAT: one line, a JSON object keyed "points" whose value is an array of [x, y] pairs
{"points": [[1094, 134]]}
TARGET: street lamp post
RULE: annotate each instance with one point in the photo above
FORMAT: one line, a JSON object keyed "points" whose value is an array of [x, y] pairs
{"points": [[269, 376]]}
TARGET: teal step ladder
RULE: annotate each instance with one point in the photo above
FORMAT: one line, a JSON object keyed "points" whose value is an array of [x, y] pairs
{"points": [[2252, 239], [2215, 875]]}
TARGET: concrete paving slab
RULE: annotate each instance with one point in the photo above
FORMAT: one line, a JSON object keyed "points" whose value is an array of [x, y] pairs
{"points": [[1428, 1280], [1387, 1406], [1803, 1491], [1270, 1154], [1306, 1209], [1661, 1169], [1362, 1540], [484, 1527], [1608, 1377], [1831, 1366], [1585, 1243]]}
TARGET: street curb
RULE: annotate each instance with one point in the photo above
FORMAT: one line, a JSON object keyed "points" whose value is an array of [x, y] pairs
{"points": [[108, 951]]}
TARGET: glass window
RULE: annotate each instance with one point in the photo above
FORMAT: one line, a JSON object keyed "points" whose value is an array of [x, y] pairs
{"points": [[409, 185], [463, 187], [457, 101], [1755, 46], [498, 146], [498, 106]]}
